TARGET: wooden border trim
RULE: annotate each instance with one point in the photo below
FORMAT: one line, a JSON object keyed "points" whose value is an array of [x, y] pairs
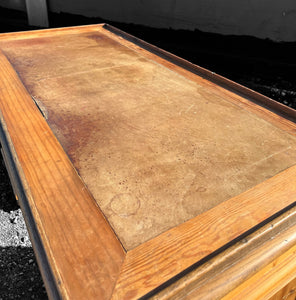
{"points": [[31, 34], [84, 254], [258, 98], [42, 259], [229, 269], [181, 247]]}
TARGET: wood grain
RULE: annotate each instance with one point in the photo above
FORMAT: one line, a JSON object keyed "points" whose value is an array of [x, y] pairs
{"points": [[230, 268], [84, 253], [286, 293], [269, 281], [194, 240]]}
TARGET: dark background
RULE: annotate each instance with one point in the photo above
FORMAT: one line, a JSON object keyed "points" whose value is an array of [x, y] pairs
{"points": [[263, 65]]}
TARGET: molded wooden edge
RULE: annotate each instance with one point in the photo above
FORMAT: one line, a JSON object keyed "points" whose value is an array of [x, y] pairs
{"points": [[229, 269], [83, 252], [270, 279], [182, 247], [256, 97]]}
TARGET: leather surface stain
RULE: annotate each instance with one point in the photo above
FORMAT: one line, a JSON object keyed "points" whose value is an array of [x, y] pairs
{"points": [[154, 148]]}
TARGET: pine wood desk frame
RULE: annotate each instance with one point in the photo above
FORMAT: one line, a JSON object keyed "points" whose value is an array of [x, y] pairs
{"points": [[80, 257]]}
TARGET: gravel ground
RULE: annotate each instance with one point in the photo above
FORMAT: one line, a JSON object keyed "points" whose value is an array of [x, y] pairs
{"points": [[261, 65], [20, 277]]}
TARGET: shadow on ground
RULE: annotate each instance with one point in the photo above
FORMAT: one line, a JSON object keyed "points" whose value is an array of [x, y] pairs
{"points": [[19, 274], [20, 277], [7, 199]]}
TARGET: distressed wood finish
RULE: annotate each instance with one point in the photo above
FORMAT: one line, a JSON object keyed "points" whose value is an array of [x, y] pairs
{"points": [[83, 252]]}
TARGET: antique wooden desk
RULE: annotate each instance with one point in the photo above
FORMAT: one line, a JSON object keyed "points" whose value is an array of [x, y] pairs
{"points": [[141, 175]]}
